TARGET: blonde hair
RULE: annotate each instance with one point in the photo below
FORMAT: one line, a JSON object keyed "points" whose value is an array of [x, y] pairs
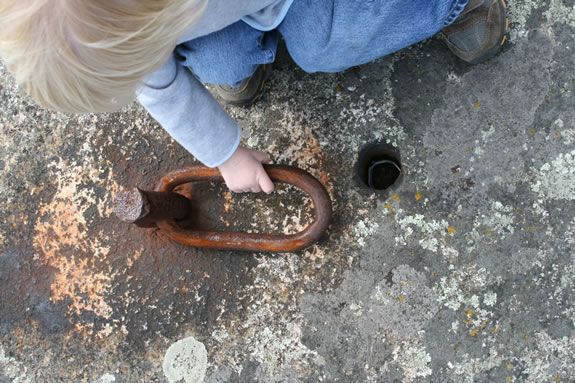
{"points": [[89, 55]]}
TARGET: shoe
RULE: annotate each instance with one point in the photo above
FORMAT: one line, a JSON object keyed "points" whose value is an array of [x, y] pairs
{"points": [[479, 32], [247, 91]]}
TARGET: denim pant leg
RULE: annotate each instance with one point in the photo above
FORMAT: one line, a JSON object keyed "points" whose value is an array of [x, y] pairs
{"points": [[333, 35], [228, 56]]}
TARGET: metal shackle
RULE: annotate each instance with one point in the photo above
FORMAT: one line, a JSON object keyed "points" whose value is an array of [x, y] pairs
{"points": [[163, 207]]}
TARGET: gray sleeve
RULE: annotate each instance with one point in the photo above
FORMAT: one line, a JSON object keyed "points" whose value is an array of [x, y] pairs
{"points": [[189, 113]]}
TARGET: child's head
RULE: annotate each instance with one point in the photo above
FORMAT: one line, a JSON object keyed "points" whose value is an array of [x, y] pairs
{"points": [[89, 55]]}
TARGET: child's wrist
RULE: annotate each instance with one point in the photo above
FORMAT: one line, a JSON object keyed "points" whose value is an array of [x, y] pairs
{"points": [[231, 160]]}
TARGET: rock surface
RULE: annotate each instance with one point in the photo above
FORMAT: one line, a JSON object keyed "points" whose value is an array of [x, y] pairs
{"points": [[464, 273]]}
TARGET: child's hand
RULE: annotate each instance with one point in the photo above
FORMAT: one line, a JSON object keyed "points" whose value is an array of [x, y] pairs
{"points": [[243, 172]]}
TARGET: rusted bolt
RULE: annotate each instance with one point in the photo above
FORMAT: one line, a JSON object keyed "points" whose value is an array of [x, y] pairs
{"points": [[164, 208], [145, 208], [379, 166]]}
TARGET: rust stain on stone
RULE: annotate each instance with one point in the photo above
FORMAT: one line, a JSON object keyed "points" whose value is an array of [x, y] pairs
{"points": [[314, 153], [63, 241], [306, 152]]}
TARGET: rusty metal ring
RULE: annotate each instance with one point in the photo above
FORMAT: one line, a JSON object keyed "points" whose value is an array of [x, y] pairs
{"points": [[251, 241]]}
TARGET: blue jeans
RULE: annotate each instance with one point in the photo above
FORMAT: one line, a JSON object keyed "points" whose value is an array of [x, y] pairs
{"points": [[320, 36]]}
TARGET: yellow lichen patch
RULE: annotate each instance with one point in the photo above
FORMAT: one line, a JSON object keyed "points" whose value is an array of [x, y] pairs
{"points": [[531, 228], [476, 330], [395, 197], [451, 230], [557, 135], [531, 132], [509, 366], [489, 233], [63, 243], [556, 377], [400, 298], [418, 196], [477, 104], [469, 315]]}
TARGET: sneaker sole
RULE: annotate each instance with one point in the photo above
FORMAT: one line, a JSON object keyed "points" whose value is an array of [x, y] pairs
{"points": [[250, 102], [490, 53], [258, 93]]}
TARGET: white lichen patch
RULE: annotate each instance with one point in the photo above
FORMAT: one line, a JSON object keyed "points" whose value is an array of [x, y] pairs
{"points": [[567, 136], [304, 149], [275, 341], [478, 151], [368, 111], [518, 13], [360, 112], [550, 357], [562, 280], [450, 253], [272, 326], [402, 307], [450, 293], [431, 232], [186, 361], [12, 369], [363, 229], [457, 291], [453, 77], [556, 180], [454, 327], [468, 367], [498, 219], [413, 358], [490, 298], [570, 234], [280, 349], [458, 288], [486, 134], [562, 131], [539, 210], [106, 378], [276, 347], [560, 12]]}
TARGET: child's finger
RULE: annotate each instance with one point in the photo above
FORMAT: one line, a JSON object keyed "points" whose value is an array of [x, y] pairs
{"points": [[265, 182], [262, 157]]}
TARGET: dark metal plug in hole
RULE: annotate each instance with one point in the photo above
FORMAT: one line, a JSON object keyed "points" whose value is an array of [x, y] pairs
{"points": [[379, 166]]}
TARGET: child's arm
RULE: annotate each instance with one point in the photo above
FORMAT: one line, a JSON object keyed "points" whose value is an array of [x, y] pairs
{"points": [[189, 113]]}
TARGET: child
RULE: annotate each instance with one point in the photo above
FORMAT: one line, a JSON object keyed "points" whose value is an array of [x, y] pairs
{"points": [[90, 56]]}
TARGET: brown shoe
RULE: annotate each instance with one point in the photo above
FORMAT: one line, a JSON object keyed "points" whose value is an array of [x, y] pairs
{"points": [[246, 92], [479, 32]]}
